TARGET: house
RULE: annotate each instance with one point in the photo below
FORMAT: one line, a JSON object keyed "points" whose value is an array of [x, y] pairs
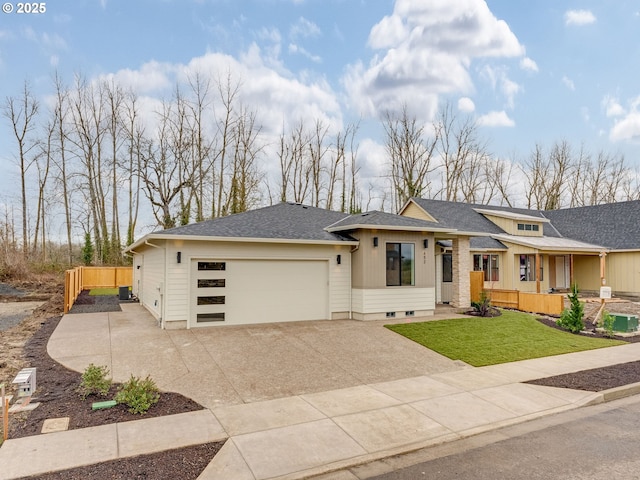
{"points": [[292, 262], [534, 251], [288, 262]]}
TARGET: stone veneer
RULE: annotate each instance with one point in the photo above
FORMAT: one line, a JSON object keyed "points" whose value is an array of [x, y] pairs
{"points": [[461, 267]]}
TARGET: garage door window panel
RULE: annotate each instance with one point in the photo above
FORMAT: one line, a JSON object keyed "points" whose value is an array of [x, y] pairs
{"points": [[212, 300], [211, 283], [210, 317], [212, 266]]}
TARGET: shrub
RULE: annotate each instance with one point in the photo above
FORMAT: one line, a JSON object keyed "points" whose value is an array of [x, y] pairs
{"points": [[139, 395], [571, 318], [483, 308], [94, 381], [607, 324]]}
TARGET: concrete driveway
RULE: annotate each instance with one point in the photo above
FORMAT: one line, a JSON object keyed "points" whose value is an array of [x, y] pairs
{"points": [[233, 365]]}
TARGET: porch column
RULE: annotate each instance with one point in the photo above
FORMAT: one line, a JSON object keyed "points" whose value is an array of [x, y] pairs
{"points": [[538, 271], [461, 257]]}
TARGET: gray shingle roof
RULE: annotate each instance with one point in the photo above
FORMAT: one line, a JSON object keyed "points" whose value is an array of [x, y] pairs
{"points": [[464, 218], [614, 225], [382, 219], [282, 221]]}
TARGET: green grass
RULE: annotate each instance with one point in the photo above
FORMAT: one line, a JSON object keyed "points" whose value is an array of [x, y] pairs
{"points": [[95, 292], [510, 337]]}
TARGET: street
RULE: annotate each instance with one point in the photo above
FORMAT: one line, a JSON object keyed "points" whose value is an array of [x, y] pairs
{"points": [[599, 442]]}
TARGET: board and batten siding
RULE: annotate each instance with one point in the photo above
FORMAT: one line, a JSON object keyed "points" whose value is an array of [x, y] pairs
{"points": [[622, 272], [178, 293]]}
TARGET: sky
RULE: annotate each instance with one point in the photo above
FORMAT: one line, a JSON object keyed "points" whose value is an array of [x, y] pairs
{"points": [[527, 71]]}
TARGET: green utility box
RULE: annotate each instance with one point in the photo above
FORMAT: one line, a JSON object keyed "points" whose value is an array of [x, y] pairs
{"points": [[623, 322]]}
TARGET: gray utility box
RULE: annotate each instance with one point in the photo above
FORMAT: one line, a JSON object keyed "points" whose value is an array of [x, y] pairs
{"points": [[124, 293], [623, 322]]}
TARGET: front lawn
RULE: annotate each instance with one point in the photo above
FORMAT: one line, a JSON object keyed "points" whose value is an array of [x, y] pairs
{"points": [[510, 337]]}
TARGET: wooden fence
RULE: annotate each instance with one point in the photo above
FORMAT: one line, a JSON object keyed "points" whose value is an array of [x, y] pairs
{"points": [[546, 303], [86, 278]]}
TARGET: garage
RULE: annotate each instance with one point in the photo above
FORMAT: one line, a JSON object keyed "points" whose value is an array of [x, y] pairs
{"points": [[236, 292]]}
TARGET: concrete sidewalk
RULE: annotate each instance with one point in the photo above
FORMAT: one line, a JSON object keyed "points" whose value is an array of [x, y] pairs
{"points": [[305, 435]]}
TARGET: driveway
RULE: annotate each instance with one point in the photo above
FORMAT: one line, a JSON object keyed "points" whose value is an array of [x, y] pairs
{"points": [[241, 364]]}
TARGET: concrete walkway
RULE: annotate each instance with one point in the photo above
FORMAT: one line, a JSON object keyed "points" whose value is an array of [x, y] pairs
{"points": [[312, 433]]}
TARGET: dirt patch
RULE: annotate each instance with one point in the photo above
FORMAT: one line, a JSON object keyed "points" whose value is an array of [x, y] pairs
{"points": [[596, 379], [184, 463]]}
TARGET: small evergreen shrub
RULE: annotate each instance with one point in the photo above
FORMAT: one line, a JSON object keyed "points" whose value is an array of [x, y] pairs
{"points": [[94, 381], [607, 324], [139, 395], [571, 318]]}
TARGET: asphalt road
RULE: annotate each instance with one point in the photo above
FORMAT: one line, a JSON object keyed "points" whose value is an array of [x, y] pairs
{"points": [[595, 443]]}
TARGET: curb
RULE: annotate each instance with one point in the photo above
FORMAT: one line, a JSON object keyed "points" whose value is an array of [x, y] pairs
{"points": [[613, 394]]}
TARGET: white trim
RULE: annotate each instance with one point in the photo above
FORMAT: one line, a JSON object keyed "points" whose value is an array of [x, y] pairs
{"points": [[358, 226], [511, 215]]}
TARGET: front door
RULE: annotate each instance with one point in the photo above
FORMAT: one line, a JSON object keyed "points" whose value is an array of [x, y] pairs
{"points": [[562, 272]]}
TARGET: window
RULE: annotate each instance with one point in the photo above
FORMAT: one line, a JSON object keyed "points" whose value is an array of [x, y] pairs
{"points": [[447, 267], [528, 268], [217, 300], [212, 266], [529, 227], [400, 264], [211, 283], [489, 265], [210, 317]]}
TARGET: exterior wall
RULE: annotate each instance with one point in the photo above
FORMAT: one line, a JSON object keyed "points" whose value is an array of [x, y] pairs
{"points": [[373, 304], [414, 211], [178, 291], [623, 272], [371, 297], [152, 280], [369, 262], [586, 272], [510, 226]]}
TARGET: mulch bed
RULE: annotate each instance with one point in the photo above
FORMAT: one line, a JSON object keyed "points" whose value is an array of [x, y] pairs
{"points": [[596, 379], [56, 392]]}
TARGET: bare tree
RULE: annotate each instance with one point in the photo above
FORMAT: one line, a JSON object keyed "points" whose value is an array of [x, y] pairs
{"points": [[410, 155], [22, 111]]}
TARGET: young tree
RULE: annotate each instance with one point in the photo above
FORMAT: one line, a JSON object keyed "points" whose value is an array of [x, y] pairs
{"points": [[22, 111]]}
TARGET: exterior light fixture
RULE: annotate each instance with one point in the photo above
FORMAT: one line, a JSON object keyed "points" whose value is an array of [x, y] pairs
{"points": [[339, 259], [179, 257], [425, 242], [375, 241]]}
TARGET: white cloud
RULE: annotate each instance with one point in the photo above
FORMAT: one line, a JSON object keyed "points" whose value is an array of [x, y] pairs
{"points": [[304, 28], [612, 106], [627, 127], [579, 17], [499, 81], [496, 119], [528, 64], [425, 49], [465, 104], [297, 49], [568, 83], [151, 77]]}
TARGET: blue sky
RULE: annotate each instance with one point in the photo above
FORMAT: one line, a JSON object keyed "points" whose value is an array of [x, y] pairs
{"points": [[527, 71]]}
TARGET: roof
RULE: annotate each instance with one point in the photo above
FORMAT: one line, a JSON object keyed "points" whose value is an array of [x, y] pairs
{"points": [[384, 221], [614, 225], [551, 243], [469, 218], [284, 221], [478, 243]]}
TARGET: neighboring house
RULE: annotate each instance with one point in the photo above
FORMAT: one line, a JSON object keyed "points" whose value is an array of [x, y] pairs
{"points": [[292, 262], [532, 250]]}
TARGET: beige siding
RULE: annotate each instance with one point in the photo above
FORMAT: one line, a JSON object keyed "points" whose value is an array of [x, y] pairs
{"points": [[586, 272], [510, 226], [414, 211], [369, 262], [396, 299], [178, 274], [623, 272]]}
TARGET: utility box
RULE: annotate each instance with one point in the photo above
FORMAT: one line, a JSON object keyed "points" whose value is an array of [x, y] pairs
{"points": [[623, 322], [26, 380], [123, 293]]}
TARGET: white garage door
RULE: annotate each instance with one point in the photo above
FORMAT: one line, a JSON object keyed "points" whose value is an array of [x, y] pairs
{"points": [[234, 292]]}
